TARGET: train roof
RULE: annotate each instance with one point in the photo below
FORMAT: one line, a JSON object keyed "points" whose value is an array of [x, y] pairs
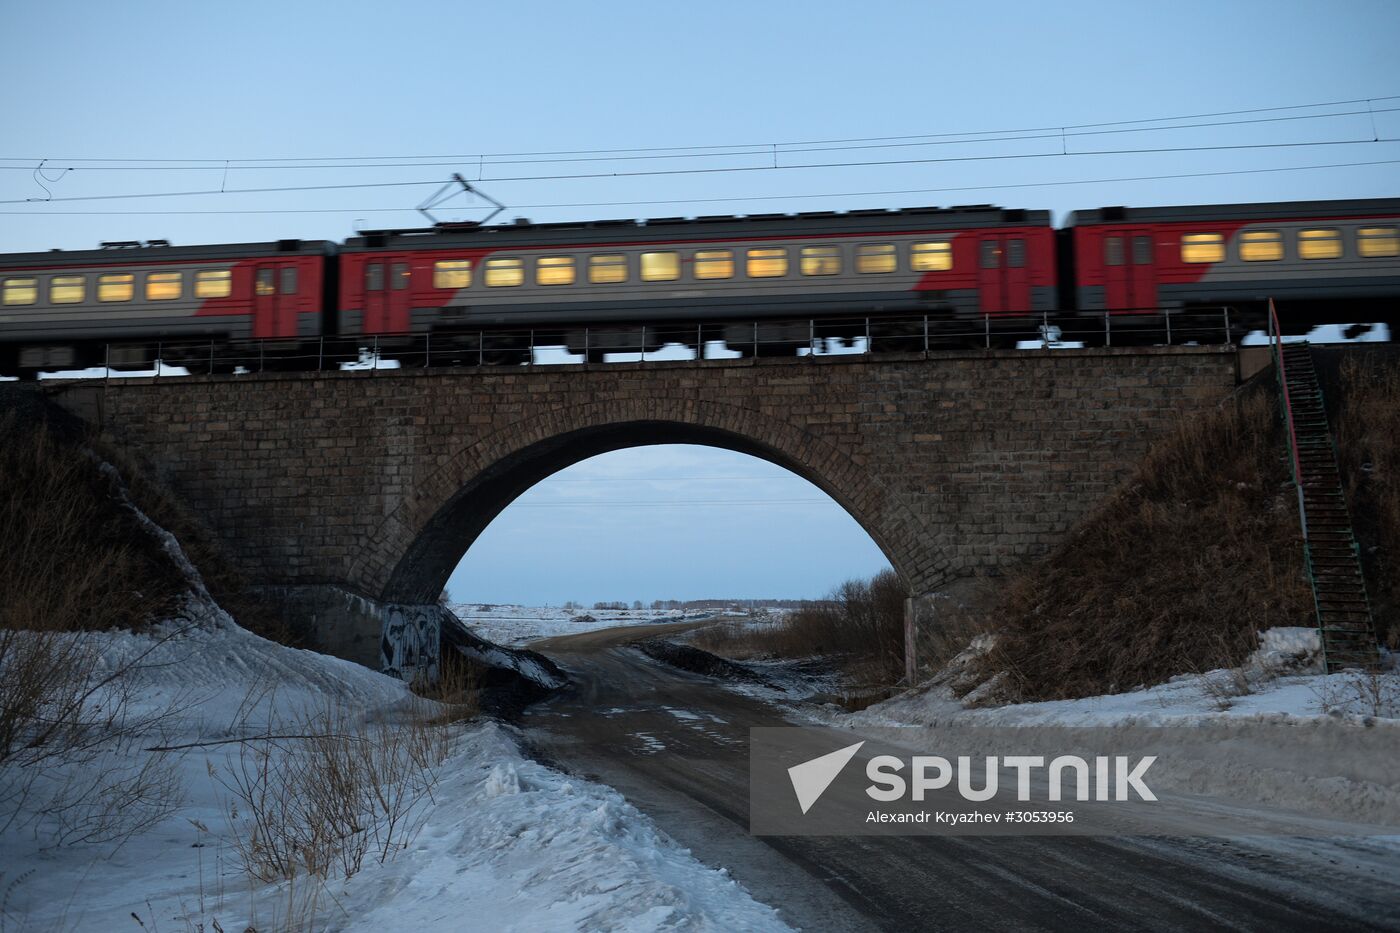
{"points": [[116, 254], [723, 226], [1275, 210]]}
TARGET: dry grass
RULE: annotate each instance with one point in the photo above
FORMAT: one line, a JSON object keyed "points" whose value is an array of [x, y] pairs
{"points": [[1178, 571], [456, 690], [72, 560], [1367, 429], [337, 793]]}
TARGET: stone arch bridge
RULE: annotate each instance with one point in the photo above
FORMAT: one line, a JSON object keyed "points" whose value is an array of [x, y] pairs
{"points": [[341, 493]]}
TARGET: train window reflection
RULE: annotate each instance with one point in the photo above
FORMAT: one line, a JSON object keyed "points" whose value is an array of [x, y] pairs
{"points": [[1261, 245], [1372, 242], [607, 269], [21, 291], [714, 264], [67, 289], [1319, 244], [505, 273], [1202, 247], [766, 263], [931, 257], [661, 267], [116, 286], [554, 270], [452, 273], [164, 286], [213, 283], [821, 260]]}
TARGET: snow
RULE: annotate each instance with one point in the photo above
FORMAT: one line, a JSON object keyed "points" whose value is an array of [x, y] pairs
{"points": [[507, 842], [516, 626], [1280, 681]]}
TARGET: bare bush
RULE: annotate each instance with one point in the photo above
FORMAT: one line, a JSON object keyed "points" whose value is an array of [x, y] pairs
{"points": [[860, 626], [321, 802]]}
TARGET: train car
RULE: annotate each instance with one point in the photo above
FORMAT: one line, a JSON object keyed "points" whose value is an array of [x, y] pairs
{"points": [[1319, 260], [951, 263], [127, 302]]}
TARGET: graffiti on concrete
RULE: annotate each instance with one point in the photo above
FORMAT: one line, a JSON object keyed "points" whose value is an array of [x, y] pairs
{"points": [[409, 645]]}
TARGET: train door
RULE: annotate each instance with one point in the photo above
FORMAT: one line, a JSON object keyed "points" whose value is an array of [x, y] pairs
{"points": [[1002, 280], [386, 296], [274, 299], [1130, 275]]}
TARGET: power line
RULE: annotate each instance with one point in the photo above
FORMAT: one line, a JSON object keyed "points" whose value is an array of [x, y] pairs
{"points": [[779, 149], [765, 145], [364, 210]]}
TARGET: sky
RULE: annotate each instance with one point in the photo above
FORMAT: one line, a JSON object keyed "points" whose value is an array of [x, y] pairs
{"points": [[963, 103]]}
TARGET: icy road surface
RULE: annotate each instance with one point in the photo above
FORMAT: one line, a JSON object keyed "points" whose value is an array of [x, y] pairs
{"points": [[675, 744]]}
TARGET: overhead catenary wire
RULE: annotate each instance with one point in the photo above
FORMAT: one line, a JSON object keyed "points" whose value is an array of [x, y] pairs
{"points": [[773, 149], [764, 145], [743, 198], [718, 170]]}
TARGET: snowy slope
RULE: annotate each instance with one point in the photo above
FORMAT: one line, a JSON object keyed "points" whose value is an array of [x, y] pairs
{"points": [[508, 844]]}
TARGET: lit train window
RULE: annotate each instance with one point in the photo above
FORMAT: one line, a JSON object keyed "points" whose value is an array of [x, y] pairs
{"points": [[1319, 244], [505, 273], [875, 257], [213, 283], [1113, 251], [714, 264], [931, 257], [661, 267], [67, 289], [116, 286], [1261, 245], [21, 291], [607, 269], [766, 263], [164, 286], [1202, 247], [1373, 242], [374, 278], [398, 278], [821, 260], [452, 273], [554, 270]]}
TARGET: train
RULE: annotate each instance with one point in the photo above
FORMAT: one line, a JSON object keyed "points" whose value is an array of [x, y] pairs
{"points": [[590, 286]]}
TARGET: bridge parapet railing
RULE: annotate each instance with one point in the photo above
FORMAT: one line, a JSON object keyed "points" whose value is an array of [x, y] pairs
{"points": [[563, 345]]}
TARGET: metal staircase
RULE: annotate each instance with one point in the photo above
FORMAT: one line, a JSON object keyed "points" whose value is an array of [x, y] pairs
{"points": [[1332, 558]]}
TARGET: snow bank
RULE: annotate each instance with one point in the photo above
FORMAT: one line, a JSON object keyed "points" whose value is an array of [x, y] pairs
{"points": [[507, 842]]}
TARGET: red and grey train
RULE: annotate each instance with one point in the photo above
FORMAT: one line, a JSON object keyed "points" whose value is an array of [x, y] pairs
{"points": [[582, 282]]}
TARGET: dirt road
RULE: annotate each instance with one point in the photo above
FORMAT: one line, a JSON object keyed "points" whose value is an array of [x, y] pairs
{"points": [[675, 744]]}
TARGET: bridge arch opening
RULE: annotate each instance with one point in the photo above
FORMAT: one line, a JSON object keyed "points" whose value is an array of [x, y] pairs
{"points": [[459, 521]]}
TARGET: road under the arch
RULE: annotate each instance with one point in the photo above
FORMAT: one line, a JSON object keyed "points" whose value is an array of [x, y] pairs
{"points": [[676, 745]]}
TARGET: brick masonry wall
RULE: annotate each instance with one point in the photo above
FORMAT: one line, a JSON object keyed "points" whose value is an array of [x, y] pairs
{"points": [[955, 463]]}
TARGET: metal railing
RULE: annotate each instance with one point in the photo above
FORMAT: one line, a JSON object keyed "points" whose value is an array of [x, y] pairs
{"points": [[557, 345]]}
